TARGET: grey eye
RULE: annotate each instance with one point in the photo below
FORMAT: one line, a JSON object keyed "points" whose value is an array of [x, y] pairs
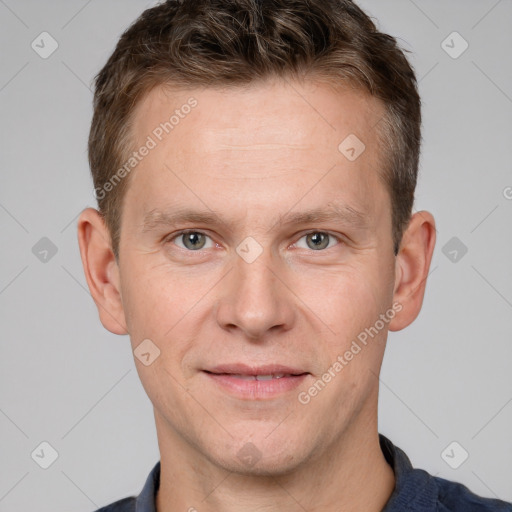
{"points": [[317, 240], [192, 240]]}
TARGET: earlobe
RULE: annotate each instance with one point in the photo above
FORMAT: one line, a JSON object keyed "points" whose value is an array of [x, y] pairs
{"points": [[101, 270], [412, 267]]}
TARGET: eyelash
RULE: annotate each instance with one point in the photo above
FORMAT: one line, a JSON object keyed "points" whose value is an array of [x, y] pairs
{"points": [[174, 236]]}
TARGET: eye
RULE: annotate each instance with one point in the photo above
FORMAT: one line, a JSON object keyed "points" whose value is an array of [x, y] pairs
{"points": [[317, 240], [192, 240]]}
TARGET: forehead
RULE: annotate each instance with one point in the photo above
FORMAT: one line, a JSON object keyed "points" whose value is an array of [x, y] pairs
{"points": [[276, 111], [268, 141]]}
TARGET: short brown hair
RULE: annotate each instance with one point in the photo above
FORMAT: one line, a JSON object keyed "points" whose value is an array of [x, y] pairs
{"points": [[201, 43]]}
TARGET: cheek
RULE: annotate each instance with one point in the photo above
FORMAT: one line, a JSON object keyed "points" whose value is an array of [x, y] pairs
{"points": [[348, 298], [152, 303], [156, 311], [351, 357], [169, 308], [356, 298]]}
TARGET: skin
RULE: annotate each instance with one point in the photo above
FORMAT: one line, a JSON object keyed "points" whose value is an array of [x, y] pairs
{"points": [[251, 155]]}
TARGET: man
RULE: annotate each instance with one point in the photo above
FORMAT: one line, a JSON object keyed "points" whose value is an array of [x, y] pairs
{"points": [[255, 165]]}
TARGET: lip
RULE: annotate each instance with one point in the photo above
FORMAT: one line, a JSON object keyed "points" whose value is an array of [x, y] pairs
{"points": [[244, 369], [230, 378]]}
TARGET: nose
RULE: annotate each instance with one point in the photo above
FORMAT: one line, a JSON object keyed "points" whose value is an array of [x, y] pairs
{"points": [[255, 299]]}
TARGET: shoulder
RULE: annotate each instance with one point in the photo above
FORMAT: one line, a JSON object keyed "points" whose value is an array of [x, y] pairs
{"points": [[417, 490], [124, 505], [456, 497], [145, 501]]}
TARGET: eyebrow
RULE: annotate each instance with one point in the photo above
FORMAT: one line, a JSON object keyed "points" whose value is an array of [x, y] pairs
{"points": [[343, 214]]}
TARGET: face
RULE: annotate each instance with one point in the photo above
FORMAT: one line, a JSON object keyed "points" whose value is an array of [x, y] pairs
{"points": [[251, 244]]}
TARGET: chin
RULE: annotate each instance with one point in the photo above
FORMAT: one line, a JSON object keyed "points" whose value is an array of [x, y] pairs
{"points": [[265, 467], [261, 458]]}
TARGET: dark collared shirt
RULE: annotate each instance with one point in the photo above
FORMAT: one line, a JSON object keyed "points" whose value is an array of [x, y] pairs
{"points": [[415, 491]]}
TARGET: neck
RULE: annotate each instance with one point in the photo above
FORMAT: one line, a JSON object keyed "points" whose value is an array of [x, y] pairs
{"points": [[349, 475]]}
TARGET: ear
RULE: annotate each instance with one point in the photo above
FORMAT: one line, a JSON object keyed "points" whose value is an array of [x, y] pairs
{"points": [[101, 270], [411, 268]]}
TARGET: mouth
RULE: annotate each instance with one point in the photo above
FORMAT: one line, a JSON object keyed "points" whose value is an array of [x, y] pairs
{"points": [[256, 383], [258, 377]]}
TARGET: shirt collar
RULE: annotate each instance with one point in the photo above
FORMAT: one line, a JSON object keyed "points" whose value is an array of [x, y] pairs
{"points": [[414, 489], [146, 499]]}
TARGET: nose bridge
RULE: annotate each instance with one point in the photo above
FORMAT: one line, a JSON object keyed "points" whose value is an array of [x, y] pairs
{"points": [[256, 280], [255, 300]]}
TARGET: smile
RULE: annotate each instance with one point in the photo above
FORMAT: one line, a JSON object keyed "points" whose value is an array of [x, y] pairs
{"points": [[260, 377], [254, 384]]}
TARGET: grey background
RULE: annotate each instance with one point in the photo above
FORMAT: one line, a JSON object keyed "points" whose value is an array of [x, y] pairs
{"points": [[67, 381]]}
